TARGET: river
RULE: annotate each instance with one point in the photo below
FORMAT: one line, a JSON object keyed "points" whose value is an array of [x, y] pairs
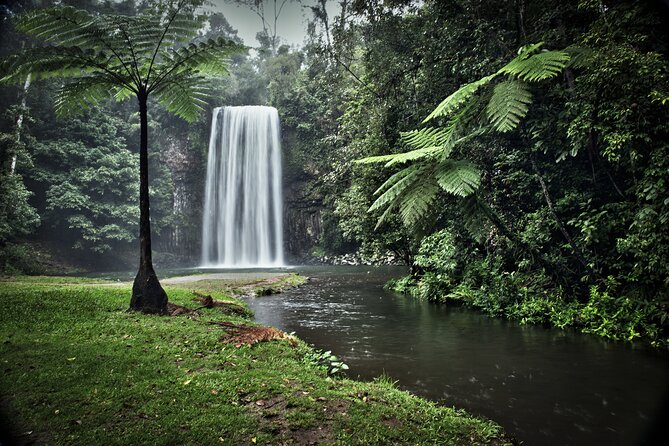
{"points": [[544, 386]]}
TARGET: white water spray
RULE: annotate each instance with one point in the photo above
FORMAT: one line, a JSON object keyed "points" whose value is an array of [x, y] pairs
{"points": [[242, 221]]}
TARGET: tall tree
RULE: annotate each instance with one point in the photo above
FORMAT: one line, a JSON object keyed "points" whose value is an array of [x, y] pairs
{"points": [[156, 54]]}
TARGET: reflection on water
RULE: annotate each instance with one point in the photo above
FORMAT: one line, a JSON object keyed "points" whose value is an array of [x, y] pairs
{"points": [[547, 387]]}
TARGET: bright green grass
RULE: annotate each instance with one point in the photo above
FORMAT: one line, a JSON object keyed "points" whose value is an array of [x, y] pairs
{"points": [[79, 369]]}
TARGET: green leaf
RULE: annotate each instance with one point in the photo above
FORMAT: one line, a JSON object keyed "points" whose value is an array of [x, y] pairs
{"points": [[537, 67], [400, 185], [459, 98], [460, 178], [417, 200], [401, 158], [508, 105]]}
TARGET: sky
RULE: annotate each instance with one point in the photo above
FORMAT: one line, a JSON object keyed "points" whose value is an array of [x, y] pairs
{"points": [[291, 26]]}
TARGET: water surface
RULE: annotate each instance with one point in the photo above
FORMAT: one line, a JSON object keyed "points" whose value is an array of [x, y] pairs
{"points": [[545, 386]]}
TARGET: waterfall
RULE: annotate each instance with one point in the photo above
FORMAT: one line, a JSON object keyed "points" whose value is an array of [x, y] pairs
{"points": [[243, 205]]}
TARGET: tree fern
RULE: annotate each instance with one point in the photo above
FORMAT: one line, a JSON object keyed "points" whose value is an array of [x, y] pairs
{"points": [[456, 100], [427, 137], [401, 158], [115, 56], [505, 103], [395, 178], [404, 181]]}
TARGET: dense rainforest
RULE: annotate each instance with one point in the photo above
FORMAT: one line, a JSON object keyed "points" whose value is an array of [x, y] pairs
{"points": [[538, 190]]}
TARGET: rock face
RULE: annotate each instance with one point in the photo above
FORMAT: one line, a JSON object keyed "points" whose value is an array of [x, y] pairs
{"points": [[179, 245], [302, 221]]}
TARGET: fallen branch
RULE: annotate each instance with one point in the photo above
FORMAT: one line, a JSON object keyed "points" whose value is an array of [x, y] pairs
{"points": [[249, 335]]}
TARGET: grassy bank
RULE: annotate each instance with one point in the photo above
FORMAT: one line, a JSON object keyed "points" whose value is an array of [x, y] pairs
{"points": [[79, 369]]}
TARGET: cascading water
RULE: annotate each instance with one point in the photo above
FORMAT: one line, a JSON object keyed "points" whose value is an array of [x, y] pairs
{"points": [[243, 205]]}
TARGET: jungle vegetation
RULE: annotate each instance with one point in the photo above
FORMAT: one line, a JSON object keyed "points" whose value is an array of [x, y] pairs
{"points": [[513, 154]]}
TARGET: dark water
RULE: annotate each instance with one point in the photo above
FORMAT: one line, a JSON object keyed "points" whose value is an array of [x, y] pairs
{"points": [[546, 387]]}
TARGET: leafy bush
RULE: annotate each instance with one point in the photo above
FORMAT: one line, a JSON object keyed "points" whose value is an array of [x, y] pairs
{"points": [[20, 258], [622, 318], [326, 361]]}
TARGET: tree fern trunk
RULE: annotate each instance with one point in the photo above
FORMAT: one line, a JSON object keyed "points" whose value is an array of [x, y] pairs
{"points": [[147, 294]]}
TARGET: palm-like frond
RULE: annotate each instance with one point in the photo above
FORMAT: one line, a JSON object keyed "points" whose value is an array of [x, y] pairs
{"points": [[460, 178], [401, 158], [183, 95], [205, 58], [394, 179], [474, 217], [48, 62], [417, 200], [579, 56], [459, 98], [83, 93], [427, 137], [508, 104], [414, 188], [536, 67], [401, 181], [141, 54]]}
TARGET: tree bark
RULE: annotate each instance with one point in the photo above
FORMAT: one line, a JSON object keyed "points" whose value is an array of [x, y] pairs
{"points": [[19, 123], [147, 294]]}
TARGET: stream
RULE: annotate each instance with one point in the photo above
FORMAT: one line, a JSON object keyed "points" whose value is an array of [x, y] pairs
{"points": [[544, 386]]}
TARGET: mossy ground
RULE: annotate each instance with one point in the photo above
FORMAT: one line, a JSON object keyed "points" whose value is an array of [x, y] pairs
{"points": [[78, 368]]}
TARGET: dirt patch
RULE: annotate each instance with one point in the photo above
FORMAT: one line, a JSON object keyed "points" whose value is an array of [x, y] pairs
{"points": [[273, 416], [240, 334], [317, 435], [392, 422]]}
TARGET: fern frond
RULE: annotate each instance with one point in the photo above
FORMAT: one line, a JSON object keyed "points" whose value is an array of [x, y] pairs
{"points": [[579, 56], [386, 214], [508, 105], [536, 67], [458, 98], [427, 137], [395, 178], [183, 95], [83, 93], [416, 201], [57, 25], [474, 218], [399, 187], [460, 178], [210, 57], [401, 158]]}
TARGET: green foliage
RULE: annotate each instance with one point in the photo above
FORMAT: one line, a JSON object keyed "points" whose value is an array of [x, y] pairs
{"points": [[327, 361], [507, 103], [90, 187], [121, 56], [622, 318], [534, 65], [17, 217]]}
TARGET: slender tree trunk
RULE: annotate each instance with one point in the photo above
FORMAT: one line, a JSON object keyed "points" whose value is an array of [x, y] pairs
{"points": [[19, 123], [147, 294], [575, 249]]}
